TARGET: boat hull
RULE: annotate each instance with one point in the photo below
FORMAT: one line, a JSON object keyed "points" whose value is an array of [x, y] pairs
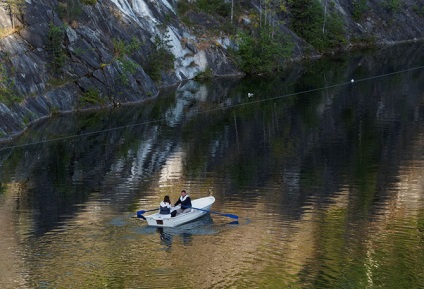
{"points": [[202, 206]]}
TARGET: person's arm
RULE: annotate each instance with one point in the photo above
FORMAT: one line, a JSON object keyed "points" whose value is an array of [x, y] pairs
{"points": [[177, 202]]}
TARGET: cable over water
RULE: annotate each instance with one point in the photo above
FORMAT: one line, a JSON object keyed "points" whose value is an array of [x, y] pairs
{"points": [[352, 81]]}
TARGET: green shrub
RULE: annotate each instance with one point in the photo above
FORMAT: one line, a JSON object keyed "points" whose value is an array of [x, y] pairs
{"points": [[89, 2], [207, 74], [183, 6], [418, 10], [128, 68], [161, 59], [121, 49], [91, 96], [322, 31], [54, 47], [334, 33], [307, 17], [69, 10], [263, 51], [392, 5], [214, 7], [219, 7], [8, 95], [359, 9]]}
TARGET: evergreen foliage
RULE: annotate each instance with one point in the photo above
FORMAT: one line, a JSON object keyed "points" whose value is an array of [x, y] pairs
{"points": [[419, 10], [213, 7], [69, 10], [262, 51], [359, 9], [392, 5], [334, 34], [120, 49], [7, 92], [89, 2], [322, 30], [161, 59], [220, 7], [91, 96], [121, 52], [54, 46], [307, 17]]}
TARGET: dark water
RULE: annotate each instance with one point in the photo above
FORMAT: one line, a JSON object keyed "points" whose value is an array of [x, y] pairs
{"points": [[325, 174]]}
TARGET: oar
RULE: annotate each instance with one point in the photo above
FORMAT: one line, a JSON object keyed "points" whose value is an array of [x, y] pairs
{"points": [[141, 212], [218, 213]]}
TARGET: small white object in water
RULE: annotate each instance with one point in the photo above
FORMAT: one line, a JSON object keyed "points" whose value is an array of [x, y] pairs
{"points": [[249, 94], [352, 80]]}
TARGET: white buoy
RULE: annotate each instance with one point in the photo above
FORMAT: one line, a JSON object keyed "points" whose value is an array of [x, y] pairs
{"points": [[352, 80]]}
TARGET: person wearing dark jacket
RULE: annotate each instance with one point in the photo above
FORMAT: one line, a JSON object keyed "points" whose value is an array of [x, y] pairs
{"points": [[165, 206], [185, 201]]}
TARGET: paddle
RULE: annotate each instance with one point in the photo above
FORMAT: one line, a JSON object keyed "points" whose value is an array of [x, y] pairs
{"points": [[218, 213], [141, 212]]}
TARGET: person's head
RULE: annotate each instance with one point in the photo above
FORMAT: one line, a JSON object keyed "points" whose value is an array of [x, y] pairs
{"points": [[166, 199], [183, 193]]}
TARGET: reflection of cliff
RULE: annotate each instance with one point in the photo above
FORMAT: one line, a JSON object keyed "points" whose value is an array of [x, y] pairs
{"points": [[340, 235], [12, 229], [314, 176], [337, 163], [397, 223], [359, 121], [119, 148]]}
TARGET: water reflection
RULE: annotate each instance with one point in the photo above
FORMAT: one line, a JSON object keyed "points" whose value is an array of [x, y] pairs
{"points": [[166, 239], [185, 232], [327, 184]]}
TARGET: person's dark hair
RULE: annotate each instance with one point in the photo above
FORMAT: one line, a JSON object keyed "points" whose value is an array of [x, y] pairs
{"points": [[166, 199], [183, 191]]}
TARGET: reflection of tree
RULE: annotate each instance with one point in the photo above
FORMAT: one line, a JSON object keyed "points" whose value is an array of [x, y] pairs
{"points": [[333, 252], [400, 261], [67, 172]]}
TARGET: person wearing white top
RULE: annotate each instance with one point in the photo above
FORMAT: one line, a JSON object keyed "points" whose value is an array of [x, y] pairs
{"points": [[165, 206]]}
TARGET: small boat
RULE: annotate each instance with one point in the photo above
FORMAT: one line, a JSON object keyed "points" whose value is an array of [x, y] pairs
{"points": [[199, 208]]}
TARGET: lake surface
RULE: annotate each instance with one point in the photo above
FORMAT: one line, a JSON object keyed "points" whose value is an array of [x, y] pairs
{"points": [[326, 175]]}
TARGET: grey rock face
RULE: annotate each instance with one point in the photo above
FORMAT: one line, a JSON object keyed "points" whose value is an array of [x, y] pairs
{"points": [[91, 60], [107, 48]]}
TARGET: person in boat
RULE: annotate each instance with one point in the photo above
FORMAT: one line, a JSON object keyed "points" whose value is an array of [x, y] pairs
{"points": [[165, 206], [185, 201]]}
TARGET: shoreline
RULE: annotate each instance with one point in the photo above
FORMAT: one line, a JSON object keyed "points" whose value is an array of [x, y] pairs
{"points": [[10, 137]]}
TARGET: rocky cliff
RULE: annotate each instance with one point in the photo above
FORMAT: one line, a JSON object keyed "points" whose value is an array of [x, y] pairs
{"points": [[59, 56]]}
